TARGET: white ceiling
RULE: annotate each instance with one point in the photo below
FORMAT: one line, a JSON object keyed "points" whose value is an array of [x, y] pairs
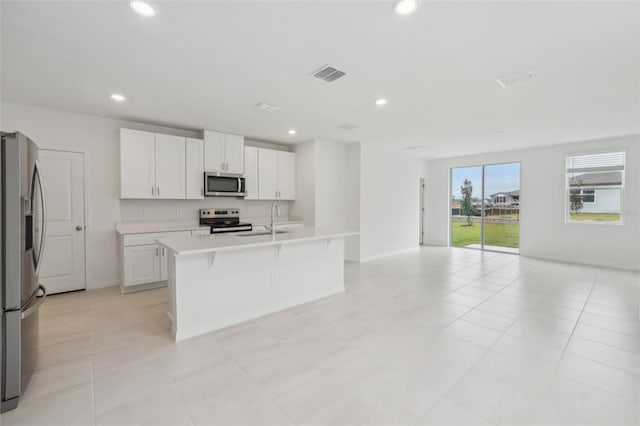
{"points": [[205, 64]]}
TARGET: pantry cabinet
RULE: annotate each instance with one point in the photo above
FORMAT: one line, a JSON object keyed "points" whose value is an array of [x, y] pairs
{"points": [[276, 175], [251, 172]]}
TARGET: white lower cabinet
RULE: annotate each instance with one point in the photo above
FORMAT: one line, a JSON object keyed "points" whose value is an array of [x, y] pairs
{"points": [[144, 262], [141, 265]]}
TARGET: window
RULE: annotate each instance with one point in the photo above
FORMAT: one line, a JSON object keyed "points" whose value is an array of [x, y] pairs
{"points": [[586, 195], [595, 184]]}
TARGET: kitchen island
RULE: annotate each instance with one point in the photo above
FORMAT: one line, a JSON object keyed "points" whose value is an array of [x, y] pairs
{"points": [[216, 281]]}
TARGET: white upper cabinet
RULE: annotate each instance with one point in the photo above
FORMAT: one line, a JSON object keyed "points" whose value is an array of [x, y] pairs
{"points": [[267, 174], [234, 153], [251, 172], [137, 164], [276, 175], [214, 151], [223, 152], [194, 168], [286, 175], [170, 167]]}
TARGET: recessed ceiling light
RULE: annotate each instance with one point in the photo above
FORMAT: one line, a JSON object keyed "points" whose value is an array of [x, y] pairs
{"points": [[142, 8], [381, 101], [406, 7], [292, 132], [118, 97]]}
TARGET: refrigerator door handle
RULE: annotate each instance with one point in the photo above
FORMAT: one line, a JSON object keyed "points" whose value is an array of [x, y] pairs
{"points": [[35, 307], [43, 228]]}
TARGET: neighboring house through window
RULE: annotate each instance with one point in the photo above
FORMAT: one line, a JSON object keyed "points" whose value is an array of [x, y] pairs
{"points": [[595, 184]]}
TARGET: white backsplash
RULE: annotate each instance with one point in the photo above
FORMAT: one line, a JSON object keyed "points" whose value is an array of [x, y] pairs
{"points": [[188, 210]]}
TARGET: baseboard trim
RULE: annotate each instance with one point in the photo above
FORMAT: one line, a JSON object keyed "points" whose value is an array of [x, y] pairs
{"points": [[102, 284], [389, 254]]}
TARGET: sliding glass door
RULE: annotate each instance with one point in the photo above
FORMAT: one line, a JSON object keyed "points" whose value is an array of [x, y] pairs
{"points": [[485, 207], [466, 198]]}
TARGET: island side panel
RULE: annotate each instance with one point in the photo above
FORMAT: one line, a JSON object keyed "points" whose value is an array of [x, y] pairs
{"points": [[218, 289]]}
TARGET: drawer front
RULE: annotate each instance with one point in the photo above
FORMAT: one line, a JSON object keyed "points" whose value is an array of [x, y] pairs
{"points": [[201, 232], [150, 238]]}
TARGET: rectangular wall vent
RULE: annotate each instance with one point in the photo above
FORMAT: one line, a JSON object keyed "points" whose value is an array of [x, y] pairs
{"points": [[328, 73]]}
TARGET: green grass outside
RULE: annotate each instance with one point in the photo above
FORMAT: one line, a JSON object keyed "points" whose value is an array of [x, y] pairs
{"points": [[496, 234], [600, 217]]}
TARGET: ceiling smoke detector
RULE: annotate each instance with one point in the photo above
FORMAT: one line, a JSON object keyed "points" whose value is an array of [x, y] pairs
{"points": [[266, 107], [328, 73], [348, 126], [515, 79]]}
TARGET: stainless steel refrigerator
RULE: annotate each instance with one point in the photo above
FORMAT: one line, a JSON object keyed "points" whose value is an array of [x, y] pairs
{"points": [[22, 236]]}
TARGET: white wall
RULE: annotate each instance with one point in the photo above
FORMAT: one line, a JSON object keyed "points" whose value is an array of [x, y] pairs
{"points": [[98, 139], [543, 230], [390, 197], [305, 203], [352, 183]]}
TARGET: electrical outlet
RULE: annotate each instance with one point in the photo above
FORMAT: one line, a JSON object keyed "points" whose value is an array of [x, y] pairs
{"points": [[146, 212]]}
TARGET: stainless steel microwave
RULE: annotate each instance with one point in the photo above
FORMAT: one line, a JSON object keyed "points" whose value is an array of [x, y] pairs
{"points": [[224, 185]]}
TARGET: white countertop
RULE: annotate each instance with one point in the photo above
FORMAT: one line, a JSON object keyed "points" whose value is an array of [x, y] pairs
{"points": [[149, 227], [260, 221], [210, 243]]}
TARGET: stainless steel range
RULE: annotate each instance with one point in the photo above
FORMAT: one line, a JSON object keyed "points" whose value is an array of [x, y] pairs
{"points": [[223, 220]]}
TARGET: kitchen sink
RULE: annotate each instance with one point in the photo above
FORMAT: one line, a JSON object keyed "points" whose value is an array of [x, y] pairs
{"points": [[254, 233]]}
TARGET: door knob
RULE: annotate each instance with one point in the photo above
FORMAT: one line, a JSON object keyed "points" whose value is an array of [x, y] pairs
{"points": [[78, 228]]}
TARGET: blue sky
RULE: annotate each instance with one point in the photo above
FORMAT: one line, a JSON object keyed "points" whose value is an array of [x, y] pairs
{"points": [[498, 178]]}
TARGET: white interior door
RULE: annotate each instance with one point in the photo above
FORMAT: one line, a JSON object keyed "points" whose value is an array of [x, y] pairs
{"points": [[63, 265]]}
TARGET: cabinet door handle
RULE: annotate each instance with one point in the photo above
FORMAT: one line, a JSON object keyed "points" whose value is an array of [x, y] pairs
{"points": [[158, 191], [157, 252], [153, 191], [162, 251]]}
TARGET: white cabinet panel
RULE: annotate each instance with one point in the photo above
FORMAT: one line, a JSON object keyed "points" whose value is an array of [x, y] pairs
{"points": [[234, 153], [251, 172], [214, 151], [194, 168], [137, 164], [163, 263], [141, 264], [286, 175], [267, 174], [170, 164]]}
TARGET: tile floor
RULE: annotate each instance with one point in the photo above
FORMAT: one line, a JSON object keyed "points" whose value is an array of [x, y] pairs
{"points": [[435, 337]]}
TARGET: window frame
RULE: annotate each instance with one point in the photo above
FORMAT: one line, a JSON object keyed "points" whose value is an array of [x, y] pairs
{"points": [[568, 188]]}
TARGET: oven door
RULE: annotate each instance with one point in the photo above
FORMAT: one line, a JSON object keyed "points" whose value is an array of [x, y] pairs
{"points": [[219, 185]]}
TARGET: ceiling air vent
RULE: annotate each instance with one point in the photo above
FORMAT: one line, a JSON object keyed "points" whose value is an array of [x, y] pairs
{"points": [[348, 126], [263, 106], [328, 73], [515, 79]]}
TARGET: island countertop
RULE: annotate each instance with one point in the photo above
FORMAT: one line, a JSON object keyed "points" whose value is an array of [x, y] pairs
{"points": [[211, 243]]}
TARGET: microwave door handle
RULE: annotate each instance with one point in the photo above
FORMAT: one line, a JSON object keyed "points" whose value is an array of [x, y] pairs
{"points": [[240, 185]]}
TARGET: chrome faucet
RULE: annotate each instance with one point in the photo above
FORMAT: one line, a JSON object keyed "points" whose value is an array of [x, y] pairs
{"points": [[275, 211]]}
